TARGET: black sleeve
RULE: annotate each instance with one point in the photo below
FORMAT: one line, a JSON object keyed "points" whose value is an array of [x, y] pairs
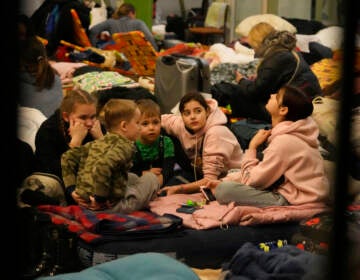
{"points": [[272, 73], [68, 197], [49, 148], [168, 168], [25, 162], [137, 169]]}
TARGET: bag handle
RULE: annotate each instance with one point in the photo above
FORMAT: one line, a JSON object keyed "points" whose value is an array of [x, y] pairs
{"points": [[297, 66]]}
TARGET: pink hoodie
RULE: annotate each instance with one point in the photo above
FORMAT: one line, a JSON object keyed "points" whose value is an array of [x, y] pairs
{"points": [[293, 152], [221, 150]]}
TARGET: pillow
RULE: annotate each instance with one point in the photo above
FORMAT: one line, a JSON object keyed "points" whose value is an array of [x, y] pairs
{"points": [[277, 22], [331, 37]]}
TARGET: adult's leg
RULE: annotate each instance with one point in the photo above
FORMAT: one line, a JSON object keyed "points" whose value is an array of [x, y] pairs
{"points": [[227, 192]]}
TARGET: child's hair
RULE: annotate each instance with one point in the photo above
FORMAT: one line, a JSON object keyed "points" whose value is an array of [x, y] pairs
{"points": [[284, 39], [33, 59], [298, 103], [25, 27], [117, 110], [123, 10], [74, 97], [193, 95], [258, 32], [148, 108]]}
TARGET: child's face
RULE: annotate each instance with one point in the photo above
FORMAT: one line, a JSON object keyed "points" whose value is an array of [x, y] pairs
{"points": [[194, 115], [149, 129], [133, 126], [82, 113], [273, 105]]}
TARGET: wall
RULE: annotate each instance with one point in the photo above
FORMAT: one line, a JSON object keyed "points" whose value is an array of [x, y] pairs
{"points": [[325, 11], [144, 10], [173, 7]]}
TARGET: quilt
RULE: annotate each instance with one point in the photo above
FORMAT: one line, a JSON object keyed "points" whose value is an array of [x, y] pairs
{"points": [[100, 226], [213, 214]]}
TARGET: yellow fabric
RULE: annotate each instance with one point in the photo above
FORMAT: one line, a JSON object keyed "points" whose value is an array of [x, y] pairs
{"points": [[207, 274], [328, 71], [137, 50], [215, 16]]}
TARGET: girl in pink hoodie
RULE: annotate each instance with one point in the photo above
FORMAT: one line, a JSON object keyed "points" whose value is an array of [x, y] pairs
{"points": [[209, 145], [292, 170]]}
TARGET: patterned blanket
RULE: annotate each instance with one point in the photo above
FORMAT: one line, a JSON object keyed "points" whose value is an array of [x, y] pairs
{"points": [[94, 227]]}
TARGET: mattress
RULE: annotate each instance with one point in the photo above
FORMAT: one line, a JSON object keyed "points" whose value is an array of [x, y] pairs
{"points": [[196, 248]]}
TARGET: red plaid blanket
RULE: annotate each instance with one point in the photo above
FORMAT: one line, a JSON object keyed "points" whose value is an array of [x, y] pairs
{"points": [[94, 227]]}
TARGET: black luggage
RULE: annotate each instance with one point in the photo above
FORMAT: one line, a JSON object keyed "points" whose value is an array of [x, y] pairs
{"points": [[176, 75]]}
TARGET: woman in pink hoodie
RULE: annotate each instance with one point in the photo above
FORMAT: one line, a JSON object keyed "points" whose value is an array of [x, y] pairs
{"points": [[292, 170], [210, 148]]}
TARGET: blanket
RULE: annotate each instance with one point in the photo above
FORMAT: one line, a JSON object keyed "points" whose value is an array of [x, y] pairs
{"points": [[288, 262], [214, 215], [93, 227]]}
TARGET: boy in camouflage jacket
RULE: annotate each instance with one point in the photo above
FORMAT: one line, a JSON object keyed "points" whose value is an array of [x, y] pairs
{"points": [[96, 175]]}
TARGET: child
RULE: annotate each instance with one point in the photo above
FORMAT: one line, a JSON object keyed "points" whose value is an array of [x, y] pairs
{"points": [[97, 174], [73, 124], [210, 148], [155, 152], [292, 169]]}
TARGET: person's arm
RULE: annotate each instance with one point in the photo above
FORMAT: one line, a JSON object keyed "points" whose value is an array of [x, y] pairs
{"points": [[263, 174], [191, 187], [148, 35], [168, 158], [96, 30], [220, 147], [112, 160], [69, 165], [171, 123], [272, 73], [49, 147], [70, 161], [168, 168]]}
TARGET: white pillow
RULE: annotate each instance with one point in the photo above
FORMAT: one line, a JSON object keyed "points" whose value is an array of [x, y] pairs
{"points": [[98, 14], [277, 22], [29, 121], [331, 37]]}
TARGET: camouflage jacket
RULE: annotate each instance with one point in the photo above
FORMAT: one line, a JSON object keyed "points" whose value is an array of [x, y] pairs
{"points": [[99, 167]]}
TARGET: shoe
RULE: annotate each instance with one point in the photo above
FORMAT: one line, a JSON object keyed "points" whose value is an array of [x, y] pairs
{"points": [[40, 268], [56, 269]]}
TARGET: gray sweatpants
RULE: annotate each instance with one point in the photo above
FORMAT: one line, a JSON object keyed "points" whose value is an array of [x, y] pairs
{"points": [[241, 194], [140, 191]]}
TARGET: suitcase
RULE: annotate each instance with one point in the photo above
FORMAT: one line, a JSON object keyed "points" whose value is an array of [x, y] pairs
{"points": [[176, 75]]}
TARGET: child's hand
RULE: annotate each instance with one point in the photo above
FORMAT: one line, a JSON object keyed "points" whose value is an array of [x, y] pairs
{"points": [[238, 76], [252, 77], [213, 184], [156, 170], [95, 130], [80, 201], [170, 190], [96, 206], [260, 137], [77, 131]]}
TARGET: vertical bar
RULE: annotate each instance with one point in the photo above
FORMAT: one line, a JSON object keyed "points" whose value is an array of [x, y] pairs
{"points": [[339, 243]]}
